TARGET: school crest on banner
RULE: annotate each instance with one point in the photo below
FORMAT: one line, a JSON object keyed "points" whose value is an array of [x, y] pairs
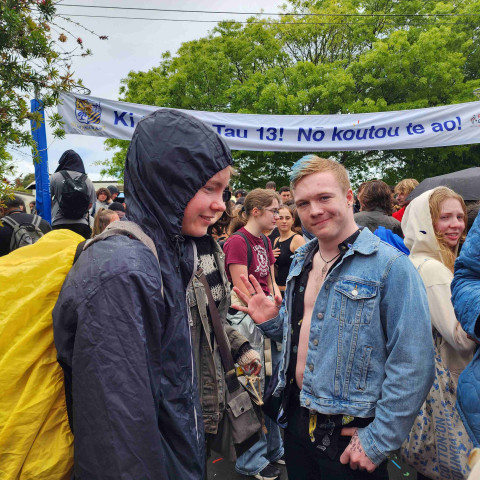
{"points": [[88, 112]]}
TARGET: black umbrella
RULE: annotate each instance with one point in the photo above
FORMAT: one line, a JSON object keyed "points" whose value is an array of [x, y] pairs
{"points": [[464, 182]]}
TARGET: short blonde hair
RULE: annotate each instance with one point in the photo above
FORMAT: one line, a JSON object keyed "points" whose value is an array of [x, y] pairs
{"points": [[310, 164], [406, 186]]}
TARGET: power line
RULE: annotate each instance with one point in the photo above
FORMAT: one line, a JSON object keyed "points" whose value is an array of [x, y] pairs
{"points": [[64, 15], [277, 13]]}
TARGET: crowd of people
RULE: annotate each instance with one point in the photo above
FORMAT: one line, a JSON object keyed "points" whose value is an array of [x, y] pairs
{"points": [[338, 302]]}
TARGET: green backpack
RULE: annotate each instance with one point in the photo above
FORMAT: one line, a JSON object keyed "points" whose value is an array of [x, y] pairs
{"points": [[26, 233]]}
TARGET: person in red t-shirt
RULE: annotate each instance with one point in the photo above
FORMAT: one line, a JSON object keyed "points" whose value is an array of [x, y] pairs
{"points": [[259, 213], [402, 191]]}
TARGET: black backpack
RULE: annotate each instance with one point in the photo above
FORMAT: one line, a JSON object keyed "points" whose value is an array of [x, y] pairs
{"points": [[249, 248], [74, 197], [25, 233]]}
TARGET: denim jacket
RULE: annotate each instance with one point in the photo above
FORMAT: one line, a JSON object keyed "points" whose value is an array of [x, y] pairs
{"points": [[466, 300], [370, 350]]}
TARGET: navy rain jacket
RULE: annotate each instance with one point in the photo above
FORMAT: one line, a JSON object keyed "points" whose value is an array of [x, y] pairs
{"points": [[121, 322]]}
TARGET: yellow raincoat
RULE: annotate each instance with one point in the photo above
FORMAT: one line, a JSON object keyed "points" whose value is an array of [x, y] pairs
{"points": [[35, 438]]}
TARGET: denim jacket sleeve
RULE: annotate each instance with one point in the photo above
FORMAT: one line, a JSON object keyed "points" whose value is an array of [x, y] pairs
{"points": [[409, 369], [466, 283], [273, 328]]}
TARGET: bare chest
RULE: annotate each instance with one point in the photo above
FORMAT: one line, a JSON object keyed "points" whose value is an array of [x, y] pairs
{"points": [[316, 278]]}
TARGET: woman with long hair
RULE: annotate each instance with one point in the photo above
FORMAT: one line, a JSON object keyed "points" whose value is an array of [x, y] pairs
{"points": [[434, 225], [259, 213], [285, 245], [249, 252]]}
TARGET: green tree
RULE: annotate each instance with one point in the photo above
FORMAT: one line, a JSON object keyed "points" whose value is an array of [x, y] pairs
{"points": [[32, 65], [323, 63], [28, 179]]}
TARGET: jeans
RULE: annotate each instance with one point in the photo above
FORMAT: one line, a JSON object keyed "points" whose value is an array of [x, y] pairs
{"points": [[270, 447]]}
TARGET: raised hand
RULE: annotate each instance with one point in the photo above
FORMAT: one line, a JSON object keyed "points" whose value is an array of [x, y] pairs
{"points": [[259, 307], [354, 453]]}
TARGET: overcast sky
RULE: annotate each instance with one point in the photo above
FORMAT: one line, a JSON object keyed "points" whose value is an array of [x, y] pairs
{"points": [[132, 45]]}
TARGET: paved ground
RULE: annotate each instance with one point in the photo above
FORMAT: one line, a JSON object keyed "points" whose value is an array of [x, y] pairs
{"points": [[220, 469]]}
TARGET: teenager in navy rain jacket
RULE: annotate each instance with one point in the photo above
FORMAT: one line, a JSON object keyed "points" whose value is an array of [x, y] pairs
{"points": [[121, 321]]}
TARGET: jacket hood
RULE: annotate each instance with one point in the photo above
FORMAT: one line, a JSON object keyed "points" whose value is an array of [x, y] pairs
{"points": [[71, 160], [418, 229], [171, 156]]}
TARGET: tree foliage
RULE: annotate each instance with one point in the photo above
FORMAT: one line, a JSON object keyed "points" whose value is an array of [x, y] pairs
{"points": [[323, 63], [32, 65]]}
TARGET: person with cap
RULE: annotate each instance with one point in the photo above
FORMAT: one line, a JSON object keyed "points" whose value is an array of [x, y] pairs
{"points": [[125, 344], [114, 191], [118, 208]]}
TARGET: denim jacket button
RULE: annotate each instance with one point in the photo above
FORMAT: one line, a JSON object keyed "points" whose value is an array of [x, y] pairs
{"points": [[307, 401], [320, 316], [311, 367], [315, 342]]}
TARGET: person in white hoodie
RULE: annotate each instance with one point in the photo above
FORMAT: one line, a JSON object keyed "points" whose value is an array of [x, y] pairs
{"points": [[434, 224]]}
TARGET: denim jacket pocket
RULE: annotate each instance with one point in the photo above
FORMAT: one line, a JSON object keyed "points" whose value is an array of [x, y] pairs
{"points": [[354, 302]]}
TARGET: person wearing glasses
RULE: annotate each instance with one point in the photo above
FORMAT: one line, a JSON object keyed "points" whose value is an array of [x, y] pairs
{"points": [[248, 251]]}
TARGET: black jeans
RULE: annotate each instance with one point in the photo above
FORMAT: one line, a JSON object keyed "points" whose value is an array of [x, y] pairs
{"points": [[84, 230], [305, 462]]}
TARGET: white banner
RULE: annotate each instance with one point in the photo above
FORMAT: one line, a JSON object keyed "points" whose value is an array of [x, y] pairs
{"points": [[420, 128]]}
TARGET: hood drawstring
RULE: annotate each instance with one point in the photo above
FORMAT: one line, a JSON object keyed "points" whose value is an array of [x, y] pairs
{"points": [[179, 249]]}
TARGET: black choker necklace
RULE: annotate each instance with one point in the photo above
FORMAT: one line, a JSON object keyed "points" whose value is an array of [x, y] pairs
{"points": [[325, 267]]}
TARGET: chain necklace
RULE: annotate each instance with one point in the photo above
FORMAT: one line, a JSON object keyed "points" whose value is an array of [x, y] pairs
{"points": [[325, 267]]}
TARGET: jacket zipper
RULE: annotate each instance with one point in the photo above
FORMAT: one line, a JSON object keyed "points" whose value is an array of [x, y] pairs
{"points": [[195, 266]]}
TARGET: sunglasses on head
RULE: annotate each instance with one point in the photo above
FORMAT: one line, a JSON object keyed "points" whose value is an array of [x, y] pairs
{"points": [[227, 195]]}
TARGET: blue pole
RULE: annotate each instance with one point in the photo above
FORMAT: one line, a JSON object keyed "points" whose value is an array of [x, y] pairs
{"points": [[42, 180]]}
